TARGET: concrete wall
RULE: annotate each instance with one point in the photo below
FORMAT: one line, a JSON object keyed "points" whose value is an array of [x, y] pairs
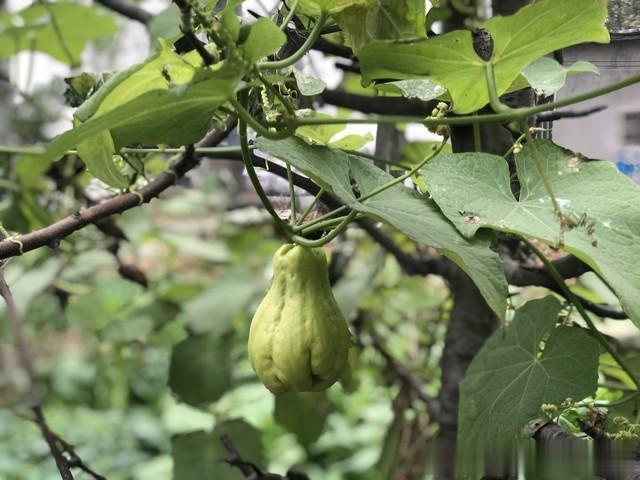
{"points": [[602, 135]]}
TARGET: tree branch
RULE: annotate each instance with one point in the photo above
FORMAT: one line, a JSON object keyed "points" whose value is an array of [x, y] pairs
{"points": [[379, 105], [128, 10], [52, 234], [57, 446], [560, 114], [569, 267], [407, 377]]}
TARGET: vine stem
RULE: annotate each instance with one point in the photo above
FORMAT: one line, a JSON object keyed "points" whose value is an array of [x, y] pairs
{"points": [[290, 14], [535, 154], [313, 203], [328, 237], [583, 313], [311, 39], [292, 195], [513, 114], [202, 150], [378, 190], [247, 118], [248, 164], [327, 224]]}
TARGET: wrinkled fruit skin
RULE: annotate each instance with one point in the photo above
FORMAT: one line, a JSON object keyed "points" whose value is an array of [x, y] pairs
{"points": [[299, 339]]}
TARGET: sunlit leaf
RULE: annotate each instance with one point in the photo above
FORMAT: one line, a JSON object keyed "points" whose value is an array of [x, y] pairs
{"points": [[474, 191], [450, 60], [59, 29]]}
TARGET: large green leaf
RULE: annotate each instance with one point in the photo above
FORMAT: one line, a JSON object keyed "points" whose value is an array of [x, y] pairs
{"points": [[162, 70], [214, 309], [178, 115], [303, 414], [519, 368], [382, 20], [200, 370], [60, 29], [451, 61], [473, 190], [264, 38], [546, 76], [405, 209], [200, 455], [97, 153]]}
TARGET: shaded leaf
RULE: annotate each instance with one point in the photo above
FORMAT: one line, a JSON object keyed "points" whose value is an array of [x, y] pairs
{"points": [[214, 309], [513, 374], [200, 369], [200, 455], [303, 414]]}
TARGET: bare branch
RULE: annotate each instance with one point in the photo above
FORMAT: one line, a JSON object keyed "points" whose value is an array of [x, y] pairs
{"points": [[560, 114], [569, 267], [52, 234], [379, 105], [407, 377]]}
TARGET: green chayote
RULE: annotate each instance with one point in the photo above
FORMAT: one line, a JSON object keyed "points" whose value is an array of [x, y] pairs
{"points": [[299, 339]]}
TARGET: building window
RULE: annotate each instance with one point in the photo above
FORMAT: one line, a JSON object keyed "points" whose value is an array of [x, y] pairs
{"points": [[632, 128]]}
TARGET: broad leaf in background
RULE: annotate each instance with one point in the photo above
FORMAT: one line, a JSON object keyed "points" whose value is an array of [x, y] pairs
{"points": [[200, 455], [405, 209], [60, 29], [97, 154], [546, 76], [303, 414], [27, 284], [200, 370], [390, 455], [382, 20], [356, 284], [449, 60], [473, 190], [106, 303], [214, 310], [307, 85], [264, 38], [513, 374]]}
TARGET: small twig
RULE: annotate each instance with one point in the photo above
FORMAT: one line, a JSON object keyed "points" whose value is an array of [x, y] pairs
{"points": [[248, 469], [186, 27], [127, 10], [52, 441], [408, 378]]}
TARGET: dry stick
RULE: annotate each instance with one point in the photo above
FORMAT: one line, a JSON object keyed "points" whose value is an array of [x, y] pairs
{"points": [[52, 234], [407, 377], [25, 358]]}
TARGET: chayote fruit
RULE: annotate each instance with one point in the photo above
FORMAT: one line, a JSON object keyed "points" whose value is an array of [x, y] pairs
{"points": [[299, 339]]}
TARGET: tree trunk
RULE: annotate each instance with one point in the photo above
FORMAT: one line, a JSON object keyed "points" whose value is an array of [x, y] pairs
{"points": [[471, 321]]}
